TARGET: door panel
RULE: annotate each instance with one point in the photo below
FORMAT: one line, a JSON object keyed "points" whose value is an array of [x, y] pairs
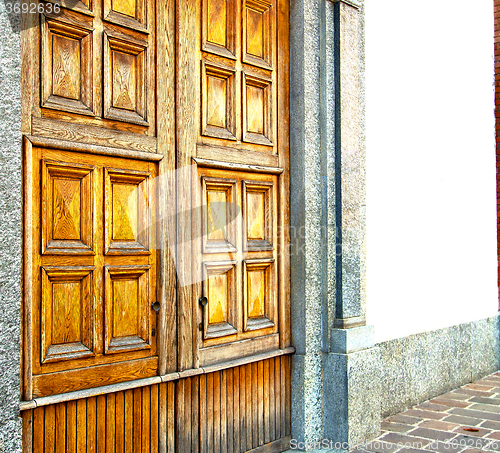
{"points": [[238, 265], [94, 275], [156, 170], [233, 74]]}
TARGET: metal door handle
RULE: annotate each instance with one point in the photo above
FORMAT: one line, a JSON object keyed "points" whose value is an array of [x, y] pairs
{"points": [[203, 301]]}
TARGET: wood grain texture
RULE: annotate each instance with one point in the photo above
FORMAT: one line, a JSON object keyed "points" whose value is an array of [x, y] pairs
{"points": [[283, 134], [220, 411], [67, 59], [222, 98], [219, 27], [92, 135], [188, 123], [241, 295], [67, 313], [166, 117]]}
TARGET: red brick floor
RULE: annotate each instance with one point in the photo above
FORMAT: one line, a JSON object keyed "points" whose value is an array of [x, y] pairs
{"points": [[465, 420]]}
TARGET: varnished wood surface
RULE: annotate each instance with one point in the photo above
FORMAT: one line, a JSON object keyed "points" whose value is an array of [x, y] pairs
{"points": [[118, 422], [79, 394], [93, 99], [92, 135], [230, 410], [92, 321]]}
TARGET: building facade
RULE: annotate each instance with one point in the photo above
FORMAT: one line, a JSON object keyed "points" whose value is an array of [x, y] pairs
{"points": [[386, 165]]}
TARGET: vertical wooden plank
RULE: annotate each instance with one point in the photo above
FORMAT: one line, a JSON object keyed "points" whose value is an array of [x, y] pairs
{"points": [[165, 108], [203, 413], [187, 131], [137, 425], [195, 415], [171, 416], [223, 411], [248, 403], [229, 391], [154, 442], [283, 397], [38, 429], [30, 50], [288, 391], [266, 390], [236, 410], [284, 181], [255, 405], [210, 411], [216, 413], [110, 423], [163, 417], [101, 424], [146, 414], [128, 421], [81, 426], [260, 401], [91, 424], [60, 435], [186, 443], [27, 431], [243, 413], [272, 402], [277, 386], [49, 431], [120, 422], [71, 427]]}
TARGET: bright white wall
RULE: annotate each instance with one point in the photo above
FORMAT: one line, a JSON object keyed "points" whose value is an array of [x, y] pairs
{"points": [[431, 203]]}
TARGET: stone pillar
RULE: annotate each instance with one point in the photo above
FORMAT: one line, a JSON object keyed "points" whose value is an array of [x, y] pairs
{"points": [[308, 169], [335, 372], [10, 236], [351, 369]]}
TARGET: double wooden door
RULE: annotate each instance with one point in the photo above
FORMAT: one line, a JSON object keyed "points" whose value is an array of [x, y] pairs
{"points": [[156, 272]]}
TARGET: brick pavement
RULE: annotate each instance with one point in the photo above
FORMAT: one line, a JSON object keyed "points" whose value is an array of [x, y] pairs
{"points": [[466, 420]]}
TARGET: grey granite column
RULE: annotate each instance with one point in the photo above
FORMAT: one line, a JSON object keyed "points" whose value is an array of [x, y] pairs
{"points": [[352, 367], [335, 384], [10, 236], [307, 212]]}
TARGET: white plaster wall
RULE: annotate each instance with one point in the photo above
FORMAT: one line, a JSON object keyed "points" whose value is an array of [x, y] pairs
{"points": [[431, 202]]}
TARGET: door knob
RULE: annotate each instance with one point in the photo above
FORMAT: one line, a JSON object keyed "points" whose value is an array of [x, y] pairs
{"points": [[155, 306], [203, 301]]}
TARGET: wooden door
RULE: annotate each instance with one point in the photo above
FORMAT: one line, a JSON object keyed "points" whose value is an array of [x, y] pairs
{"points": [[91, 260], [232, 125], [156, 272]]}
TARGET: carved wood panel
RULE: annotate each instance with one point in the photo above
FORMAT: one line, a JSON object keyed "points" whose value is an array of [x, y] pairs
{"points": [[258, 294], [127, 220], [219, 214], [128, 13], [68, 313], [239, 266], [258, 32], [239, 78], [127, 308], [219, 102], [219, 27], [94, 275], [125, 82], [220, 316], [68, 208], [257, 110], [100, 63], [258, 215], [67, 55]]}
